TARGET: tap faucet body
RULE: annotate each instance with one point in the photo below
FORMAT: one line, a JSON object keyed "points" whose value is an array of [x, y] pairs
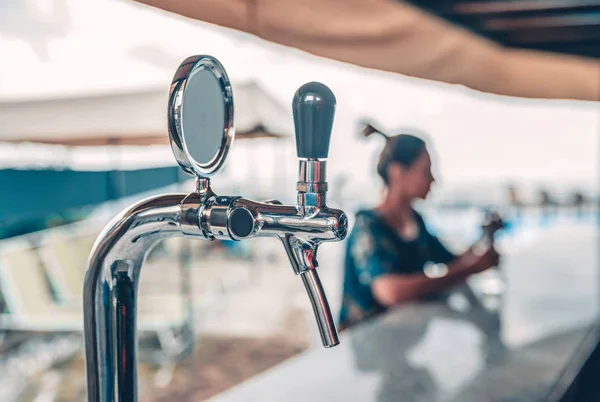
{"points": [[114, 266]]}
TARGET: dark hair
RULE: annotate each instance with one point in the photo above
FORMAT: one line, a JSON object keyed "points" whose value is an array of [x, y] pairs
{"points": [[404, 149]]}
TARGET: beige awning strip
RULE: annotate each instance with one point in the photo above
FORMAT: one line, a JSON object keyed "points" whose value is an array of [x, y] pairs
{"points": [[396, 37]]}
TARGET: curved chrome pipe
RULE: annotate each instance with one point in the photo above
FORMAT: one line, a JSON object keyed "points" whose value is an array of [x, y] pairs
{"points": [[111, 281], [110, 288], [320, 306]]}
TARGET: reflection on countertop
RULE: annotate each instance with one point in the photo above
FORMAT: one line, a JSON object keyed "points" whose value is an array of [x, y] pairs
{"points": [[528, 350], [433, 354], [425, 352]]}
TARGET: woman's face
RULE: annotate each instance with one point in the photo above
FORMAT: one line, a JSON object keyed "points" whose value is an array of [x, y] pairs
{"points": [[413, 182]]}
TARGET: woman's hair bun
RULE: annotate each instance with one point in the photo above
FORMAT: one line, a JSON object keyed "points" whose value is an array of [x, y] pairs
{"points": [[369, 129]]}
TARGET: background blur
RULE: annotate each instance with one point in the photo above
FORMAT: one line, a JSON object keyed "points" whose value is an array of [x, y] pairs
{"points": [[83, 96]]}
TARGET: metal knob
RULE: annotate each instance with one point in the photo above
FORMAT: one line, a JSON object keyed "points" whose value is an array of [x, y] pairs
{"points": [[241, 223]]}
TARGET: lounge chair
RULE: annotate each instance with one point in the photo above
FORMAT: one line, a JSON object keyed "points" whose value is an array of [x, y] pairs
{"points": [[30, 305]]}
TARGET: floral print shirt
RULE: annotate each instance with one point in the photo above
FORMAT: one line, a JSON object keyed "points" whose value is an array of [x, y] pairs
{"points": [[374, 249]]}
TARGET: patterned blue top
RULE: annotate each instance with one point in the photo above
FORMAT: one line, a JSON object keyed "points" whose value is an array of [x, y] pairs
{"points": [[373, 249]]}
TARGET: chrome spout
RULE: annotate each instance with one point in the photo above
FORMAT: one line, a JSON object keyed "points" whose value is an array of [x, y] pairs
{"points": [[320, 305], [301, 233]]}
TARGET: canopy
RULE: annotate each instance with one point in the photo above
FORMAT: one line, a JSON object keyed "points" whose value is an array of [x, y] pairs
{"points": [[136, 117], [70, 79], [398, 37]]}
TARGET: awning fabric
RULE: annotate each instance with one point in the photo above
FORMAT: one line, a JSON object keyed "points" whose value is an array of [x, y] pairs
{"points": [[130, 118], [397, 37]]}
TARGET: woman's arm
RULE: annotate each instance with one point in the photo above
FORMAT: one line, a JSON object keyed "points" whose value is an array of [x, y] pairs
{"points": [[392, 289]]}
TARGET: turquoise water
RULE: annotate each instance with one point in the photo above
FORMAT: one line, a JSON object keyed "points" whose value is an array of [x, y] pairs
{"points": [[35, 199], [463, 227]]}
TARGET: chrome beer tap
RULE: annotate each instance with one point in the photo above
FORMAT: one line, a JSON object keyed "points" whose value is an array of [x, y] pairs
{"points": [[200, 114]]}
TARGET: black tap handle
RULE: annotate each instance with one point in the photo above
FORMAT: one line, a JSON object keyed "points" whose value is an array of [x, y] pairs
{"points": [[313, 107]]}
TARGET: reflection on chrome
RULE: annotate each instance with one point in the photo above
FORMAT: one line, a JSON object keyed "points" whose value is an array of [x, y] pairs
{"points": [[114, 266]]}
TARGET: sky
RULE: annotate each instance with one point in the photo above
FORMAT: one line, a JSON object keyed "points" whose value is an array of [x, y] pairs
{"points": [[69, 48]]}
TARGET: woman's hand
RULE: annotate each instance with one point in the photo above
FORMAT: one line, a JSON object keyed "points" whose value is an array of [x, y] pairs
{"points": [[479, 261], [394, 288]]}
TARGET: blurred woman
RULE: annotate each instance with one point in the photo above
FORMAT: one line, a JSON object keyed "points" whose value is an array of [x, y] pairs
{"points": [[391, 258]]}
